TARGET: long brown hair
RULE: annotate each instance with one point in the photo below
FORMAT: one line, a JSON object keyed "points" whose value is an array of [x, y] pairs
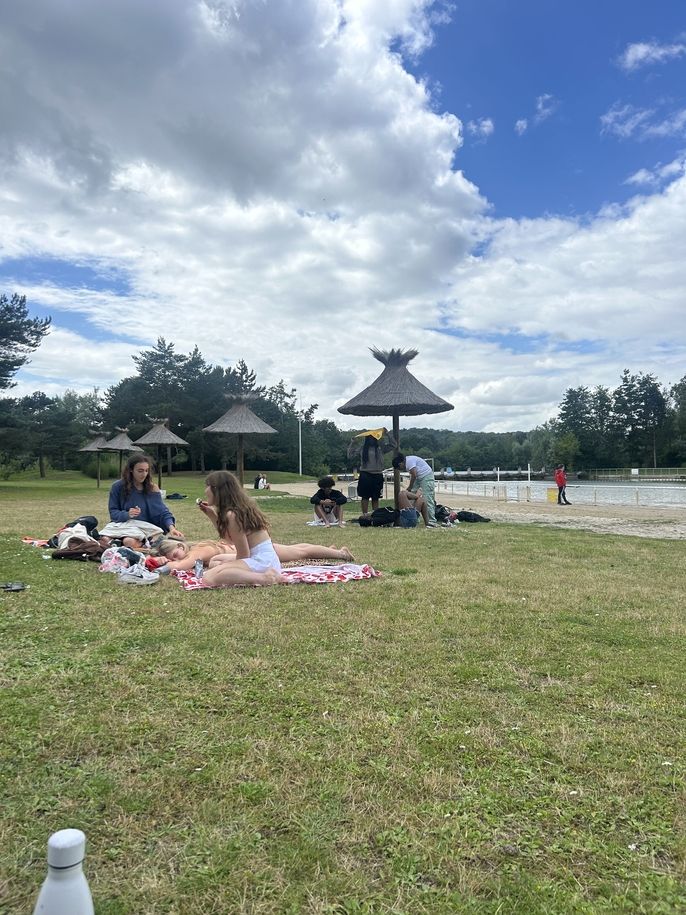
{"points": [[127, 473], [230, 496]]}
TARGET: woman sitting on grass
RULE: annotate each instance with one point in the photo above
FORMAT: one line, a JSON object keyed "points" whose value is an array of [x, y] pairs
{"points": [[239, 520], [182, 556]]}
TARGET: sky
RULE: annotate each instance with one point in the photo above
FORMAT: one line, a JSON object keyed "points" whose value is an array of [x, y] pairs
{"points": [[499, 185]]}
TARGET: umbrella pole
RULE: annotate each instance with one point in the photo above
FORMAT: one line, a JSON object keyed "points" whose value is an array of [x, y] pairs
{"points": [[239, 459], [159, 466], [98, 464], [396, 472], [121, 455]]}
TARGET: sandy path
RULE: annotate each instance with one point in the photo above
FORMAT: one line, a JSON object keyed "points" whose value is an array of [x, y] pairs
{"points": [[633, 521]]}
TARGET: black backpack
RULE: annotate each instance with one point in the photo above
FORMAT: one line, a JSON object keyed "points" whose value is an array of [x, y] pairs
{"points": [[384, 517], [442, 513]]}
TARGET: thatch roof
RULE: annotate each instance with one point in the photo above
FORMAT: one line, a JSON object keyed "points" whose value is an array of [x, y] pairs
{"points": [[239, 420], [160, 435], [396, 390], [121, 442], [98, 444]]}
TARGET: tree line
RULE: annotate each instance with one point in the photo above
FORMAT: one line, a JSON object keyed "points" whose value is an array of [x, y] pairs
{"points": [[640, 423]]}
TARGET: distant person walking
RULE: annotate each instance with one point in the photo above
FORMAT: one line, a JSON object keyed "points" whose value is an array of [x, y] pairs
{"points": [[561, 481]]}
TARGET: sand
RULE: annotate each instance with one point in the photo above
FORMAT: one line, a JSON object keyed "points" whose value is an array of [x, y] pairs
{"points": [[631, 521]]}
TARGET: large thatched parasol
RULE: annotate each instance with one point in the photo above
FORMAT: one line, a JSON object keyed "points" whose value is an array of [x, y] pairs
{"points": [[160, 435], [97, 446], [240, 420], [398, 393], [121, 443]]}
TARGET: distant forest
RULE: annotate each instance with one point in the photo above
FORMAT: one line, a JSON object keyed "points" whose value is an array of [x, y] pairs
{"points": [[640, 423]]}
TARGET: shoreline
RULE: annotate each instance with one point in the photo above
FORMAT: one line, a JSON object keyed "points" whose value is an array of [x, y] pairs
{"points": [[654, 522]]}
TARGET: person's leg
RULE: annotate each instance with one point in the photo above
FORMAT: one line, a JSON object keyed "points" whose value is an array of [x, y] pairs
{"points": [[559, 494], [238, 572], [564, 496], [322, 515], [428, 487], [298, 552], [364, 505], [338, 514]]}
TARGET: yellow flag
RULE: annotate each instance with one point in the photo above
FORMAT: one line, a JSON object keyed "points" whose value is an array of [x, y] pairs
{"points": [[375, 433]]}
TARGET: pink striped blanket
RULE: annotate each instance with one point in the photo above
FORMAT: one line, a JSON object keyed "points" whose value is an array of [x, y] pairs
{"points": [[305, 575]]}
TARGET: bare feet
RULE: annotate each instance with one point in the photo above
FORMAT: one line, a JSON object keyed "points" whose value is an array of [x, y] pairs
{"points": [[346, 554], [271, 577]]}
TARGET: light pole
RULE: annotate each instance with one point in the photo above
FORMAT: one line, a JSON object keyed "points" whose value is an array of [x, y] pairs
{"points": [[300, 437], [300, 444]]}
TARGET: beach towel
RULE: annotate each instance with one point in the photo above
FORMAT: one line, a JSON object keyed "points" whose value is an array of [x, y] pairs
{"points": [[306, 575]]}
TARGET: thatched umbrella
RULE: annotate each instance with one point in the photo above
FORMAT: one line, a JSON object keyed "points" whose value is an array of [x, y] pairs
{"points": [[240, 420], [160, 435], [96, 446], [121, 443], [397, 392]]}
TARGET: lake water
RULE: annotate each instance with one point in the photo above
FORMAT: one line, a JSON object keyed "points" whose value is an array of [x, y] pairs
{"points": [[585, 493]]}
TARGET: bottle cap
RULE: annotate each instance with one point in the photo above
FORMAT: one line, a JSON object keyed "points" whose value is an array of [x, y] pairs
{"points": [[66, 848]]}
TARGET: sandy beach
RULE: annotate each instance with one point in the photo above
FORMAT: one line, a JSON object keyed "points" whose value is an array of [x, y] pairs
{"points": [[633, 521]]}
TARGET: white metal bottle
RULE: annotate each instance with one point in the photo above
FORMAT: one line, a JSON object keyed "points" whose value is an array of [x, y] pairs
{"points": [[65, 890]]}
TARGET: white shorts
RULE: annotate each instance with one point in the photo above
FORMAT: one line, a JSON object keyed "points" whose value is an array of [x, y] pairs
{"points": [[263, 557]]}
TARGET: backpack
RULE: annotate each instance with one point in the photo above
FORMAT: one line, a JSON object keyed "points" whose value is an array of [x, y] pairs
{"points": [[82, 550], [470, 516], [383, 517], [90, 522], [442, 513]]}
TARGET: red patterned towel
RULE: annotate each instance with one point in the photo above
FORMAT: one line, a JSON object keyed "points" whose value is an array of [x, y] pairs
{"points": [[307, 575]]}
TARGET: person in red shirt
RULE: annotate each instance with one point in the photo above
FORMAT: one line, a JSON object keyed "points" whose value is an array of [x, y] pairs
{"points": [[561, 480]]}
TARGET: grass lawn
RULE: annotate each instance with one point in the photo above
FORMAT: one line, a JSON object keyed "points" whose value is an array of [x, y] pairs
{"points": [[494, 726]]}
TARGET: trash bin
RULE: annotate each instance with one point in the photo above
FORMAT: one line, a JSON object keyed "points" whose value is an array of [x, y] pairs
{"points": [[551, 493], [352, 491]]}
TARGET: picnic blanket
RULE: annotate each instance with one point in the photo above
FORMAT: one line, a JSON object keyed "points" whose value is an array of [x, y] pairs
{"points": [[305, 575]]}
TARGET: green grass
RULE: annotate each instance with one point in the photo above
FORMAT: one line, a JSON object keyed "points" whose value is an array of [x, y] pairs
{"points": [[495, 726]]}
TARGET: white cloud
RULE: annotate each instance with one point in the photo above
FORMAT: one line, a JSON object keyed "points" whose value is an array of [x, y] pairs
{"points": [[655, 177], [481, 128], [521, 126], [546, 105], [644, 53], [626, 121], [272, 184]]}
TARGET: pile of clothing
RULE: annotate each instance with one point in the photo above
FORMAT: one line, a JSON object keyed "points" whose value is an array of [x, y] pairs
{"points": [[130, 566]]}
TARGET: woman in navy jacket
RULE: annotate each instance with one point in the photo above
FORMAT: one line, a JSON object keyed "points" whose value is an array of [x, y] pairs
{"points": [[136, 497]]}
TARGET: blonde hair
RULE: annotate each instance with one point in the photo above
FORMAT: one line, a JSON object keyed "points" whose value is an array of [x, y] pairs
{"points": [[167, 546], [230, 496]]}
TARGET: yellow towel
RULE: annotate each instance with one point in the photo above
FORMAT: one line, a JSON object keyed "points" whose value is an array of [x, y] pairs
{"points": [[375, 433]]}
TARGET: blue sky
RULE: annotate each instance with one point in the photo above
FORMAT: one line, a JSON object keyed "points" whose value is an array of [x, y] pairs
{"points": [[500, 185], [496, 59]]}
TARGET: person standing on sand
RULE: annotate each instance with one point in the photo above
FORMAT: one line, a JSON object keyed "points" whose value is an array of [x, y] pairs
{"points": [[561, 481]]}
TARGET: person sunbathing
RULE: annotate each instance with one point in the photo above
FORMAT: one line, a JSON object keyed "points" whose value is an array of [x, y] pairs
{"points": [[182, 556]]}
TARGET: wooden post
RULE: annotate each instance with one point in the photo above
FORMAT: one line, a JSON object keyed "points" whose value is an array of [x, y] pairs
{"points": [[396, 472], [239, 459], [98, 466]]}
